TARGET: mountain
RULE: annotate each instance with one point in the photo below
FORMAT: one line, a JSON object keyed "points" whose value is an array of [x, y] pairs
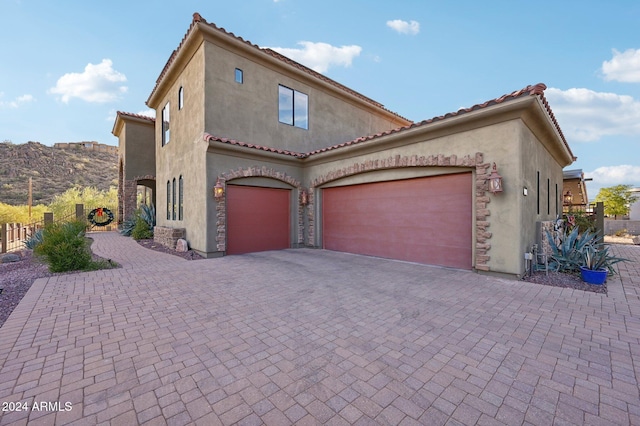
{"points": [[54, 170]]}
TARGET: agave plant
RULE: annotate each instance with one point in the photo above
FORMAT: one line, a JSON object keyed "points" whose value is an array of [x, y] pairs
{"points": [[567, 256], [596, 257], [146, 212], [34, 240]]}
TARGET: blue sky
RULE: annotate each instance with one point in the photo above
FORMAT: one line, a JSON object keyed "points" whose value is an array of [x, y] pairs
{"points": [[66, 67]]}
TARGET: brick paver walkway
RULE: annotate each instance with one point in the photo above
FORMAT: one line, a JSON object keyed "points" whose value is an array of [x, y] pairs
{"points": [[317, 337]]}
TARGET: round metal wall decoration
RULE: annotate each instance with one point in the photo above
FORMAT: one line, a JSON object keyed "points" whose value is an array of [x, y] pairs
{"points": [[100, 216]]}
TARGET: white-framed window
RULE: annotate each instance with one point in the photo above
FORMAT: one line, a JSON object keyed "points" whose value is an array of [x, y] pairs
{"points": [[166, 133], [239, 75], [180, 97]]}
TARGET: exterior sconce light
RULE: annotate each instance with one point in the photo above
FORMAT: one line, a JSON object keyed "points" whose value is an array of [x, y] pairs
{"points": [[495, 181], [567, 198], [304, 197], [218, 190]]}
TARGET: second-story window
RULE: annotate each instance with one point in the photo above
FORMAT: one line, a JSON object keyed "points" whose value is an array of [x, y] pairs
{"points": [[239, 76], [293, 107], [180, 97], [166, 134]]}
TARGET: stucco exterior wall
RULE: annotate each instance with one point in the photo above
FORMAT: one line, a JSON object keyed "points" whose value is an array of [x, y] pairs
{"points": [[471, 150], [543, 201], [248, 112], [184, 155], [137, 147]]}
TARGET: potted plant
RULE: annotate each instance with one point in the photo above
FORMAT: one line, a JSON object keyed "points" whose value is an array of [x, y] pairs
{"points": [[597, 263]]}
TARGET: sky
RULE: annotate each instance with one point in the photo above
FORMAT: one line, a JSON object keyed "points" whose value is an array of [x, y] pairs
{"points": [[67, 66]]}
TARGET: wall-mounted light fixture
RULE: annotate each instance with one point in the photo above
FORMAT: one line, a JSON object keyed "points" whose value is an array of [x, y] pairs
{"points": [[218, 190], [304, 197], [495, 180], [567, 198]]}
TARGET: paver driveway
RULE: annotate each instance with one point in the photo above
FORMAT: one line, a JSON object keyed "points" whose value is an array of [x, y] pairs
{"points": [[316, 337]]}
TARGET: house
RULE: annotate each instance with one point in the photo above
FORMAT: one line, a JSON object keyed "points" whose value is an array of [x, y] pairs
{"points": [[574, 191], [91, 145], [254, 151]]}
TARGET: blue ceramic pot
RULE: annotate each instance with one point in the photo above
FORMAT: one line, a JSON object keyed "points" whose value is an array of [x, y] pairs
{"points": [[590, 276]]}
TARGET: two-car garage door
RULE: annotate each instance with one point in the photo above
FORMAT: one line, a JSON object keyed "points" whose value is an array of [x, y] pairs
{"points": [[425, 220]]}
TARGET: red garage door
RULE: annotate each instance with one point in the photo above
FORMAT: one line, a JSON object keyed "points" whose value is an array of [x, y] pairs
{"points": [[426, 220], [257, 219]]}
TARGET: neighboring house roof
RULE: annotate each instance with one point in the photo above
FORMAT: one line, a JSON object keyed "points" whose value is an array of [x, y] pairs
{"points": [[197, 19], [121, 116], [535, 90]]}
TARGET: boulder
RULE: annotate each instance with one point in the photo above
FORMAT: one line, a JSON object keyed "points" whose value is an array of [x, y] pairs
{"points": [[10, 257], [182, 246]]}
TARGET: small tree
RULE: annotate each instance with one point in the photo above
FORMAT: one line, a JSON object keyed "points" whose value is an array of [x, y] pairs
{"points": [[616, 199]]}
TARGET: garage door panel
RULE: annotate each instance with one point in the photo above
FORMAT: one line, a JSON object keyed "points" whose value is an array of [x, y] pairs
{"points": [[257, 219], [425, 220]]}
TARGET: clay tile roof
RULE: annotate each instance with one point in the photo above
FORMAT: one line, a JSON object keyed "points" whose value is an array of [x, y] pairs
{"points": [[534, 90], [208, 138], [197, 18], [140, 116]]}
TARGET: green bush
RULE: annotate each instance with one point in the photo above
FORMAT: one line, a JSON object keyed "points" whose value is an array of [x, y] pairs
{"points": [[147, 213], [64, 247], [141, 230]]}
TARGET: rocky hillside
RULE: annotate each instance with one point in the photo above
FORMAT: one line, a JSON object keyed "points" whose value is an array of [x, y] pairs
{"points": [[53, 171]]}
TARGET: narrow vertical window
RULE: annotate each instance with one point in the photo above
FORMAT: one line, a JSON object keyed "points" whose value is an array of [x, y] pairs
{"points": [[285, 105], [168, 200], [548, 196], [239, 76], [165, 125], [180, 197], [173, 199], [301, 110], [180, 97], [556, 199], [538, 193]]}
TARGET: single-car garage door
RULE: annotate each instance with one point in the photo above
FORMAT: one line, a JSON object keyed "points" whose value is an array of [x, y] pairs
{"points": [[257, 219], [425, 220]]}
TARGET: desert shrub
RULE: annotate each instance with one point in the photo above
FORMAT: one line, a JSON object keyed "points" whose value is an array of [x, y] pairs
{"points": [[620, 233], [148, 215], [64, 247], [141, 230]]}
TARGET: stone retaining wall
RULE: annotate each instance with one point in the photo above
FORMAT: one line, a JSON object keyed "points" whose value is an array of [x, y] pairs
{"points": [[168, 237]]}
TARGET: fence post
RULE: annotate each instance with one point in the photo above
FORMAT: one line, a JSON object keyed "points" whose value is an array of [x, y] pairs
{"points": [[48, 218], [600, 219], [80, 212], [3, 238]]}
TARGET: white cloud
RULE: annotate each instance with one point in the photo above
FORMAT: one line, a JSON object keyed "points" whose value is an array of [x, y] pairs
{"points": [[17, 102], [98, 83], [404, 27], [320, 56], [615, 175], [148, 113], [623, 67], [585, 115]]}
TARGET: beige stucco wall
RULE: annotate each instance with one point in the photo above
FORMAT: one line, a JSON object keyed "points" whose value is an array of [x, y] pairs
{"points": [[137, 148], [248, 112], [510, 144], [185, 153]]}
